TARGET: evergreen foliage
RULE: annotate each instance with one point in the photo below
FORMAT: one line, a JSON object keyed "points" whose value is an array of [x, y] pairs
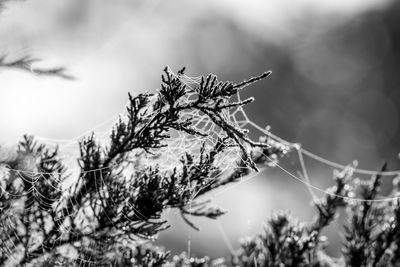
{"points": [[110, 217]]}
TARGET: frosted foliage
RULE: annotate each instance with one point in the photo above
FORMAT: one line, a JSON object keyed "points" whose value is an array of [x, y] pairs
{"points": [[12, 180]]}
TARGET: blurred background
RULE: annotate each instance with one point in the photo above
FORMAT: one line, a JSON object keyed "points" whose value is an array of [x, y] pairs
{"points": [[335, 86]]}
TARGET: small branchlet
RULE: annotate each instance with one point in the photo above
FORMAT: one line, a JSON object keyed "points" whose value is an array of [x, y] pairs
{"points": [[26, 63], [336, 198]]}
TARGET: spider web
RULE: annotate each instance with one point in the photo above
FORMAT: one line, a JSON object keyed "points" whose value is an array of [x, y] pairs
{"points": [[165, 158]]}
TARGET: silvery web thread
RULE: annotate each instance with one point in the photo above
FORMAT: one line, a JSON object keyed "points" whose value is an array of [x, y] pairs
{"points": [[32, 178], [67, 158], [21, 175], [28, 177]]}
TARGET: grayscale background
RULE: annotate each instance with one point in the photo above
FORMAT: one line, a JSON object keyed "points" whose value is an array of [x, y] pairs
{"points": [[335, 86]]}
